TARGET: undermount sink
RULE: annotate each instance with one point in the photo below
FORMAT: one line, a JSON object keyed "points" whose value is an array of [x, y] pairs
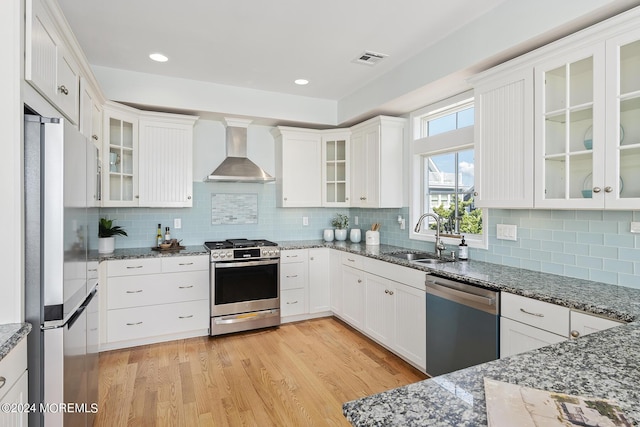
{"points": [[419, 257]]}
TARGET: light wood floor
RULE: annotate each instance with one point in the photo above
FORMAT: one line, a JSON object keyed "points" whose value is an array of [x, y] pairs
{"points": [[299, 374]]}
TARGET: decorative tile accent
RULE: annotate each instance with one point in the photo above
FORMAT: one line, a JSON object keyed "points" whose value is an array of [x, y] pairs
{"points": [[232, 208]]}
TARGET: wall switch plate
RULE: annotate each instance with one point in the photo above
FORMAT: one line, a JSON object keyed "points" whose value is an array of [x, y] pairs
{"points": [[305, 220], [507, 232], [177, 223], [635, 227], [355, 220]]}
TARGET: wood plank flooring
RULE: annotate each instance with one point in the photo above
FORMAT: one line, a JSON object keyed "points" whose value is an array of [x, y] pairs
{"points": [[299, 374]]}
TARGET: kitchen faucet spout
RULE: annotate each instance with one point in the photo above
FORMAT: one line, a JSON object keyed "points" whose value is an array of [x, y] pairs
{"points": [[439, 245]]}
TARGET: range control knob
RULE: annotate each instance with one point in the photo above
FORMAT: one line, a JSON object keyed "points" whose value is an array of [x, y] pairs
{"points": [[215, 254]]}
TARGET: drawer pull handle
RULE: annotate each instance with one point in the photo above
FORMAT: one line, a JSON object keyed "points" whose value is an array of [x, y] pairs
{"points": [[351, 260], [185, 317], [530, 313], [185, 287], [3, 381], [134, 292], [291, 277], [186, 263], [293, 302], [292, 256], [134, 324], [93, 269], [134, 266]]}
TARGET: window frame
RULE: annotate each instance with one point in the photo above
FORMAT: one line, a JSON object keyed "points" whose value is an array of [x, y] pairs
{"points": [[441, 143]]}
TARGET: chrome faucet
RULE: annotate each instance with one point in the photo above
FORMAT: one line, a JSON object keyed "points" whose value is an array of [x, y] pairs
{"points": [[439, 246]]}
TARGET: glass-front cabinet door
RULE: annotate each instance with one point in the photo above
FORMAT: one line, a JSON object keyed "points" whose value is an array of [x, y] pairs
{"points": [[622, 181], [120, 162], [569, 130], [335, 169]]}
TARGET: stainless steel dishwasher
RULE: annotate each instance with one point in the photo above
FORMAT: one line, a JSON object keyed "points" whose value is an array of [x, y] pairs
{"points": [[463, 325]]}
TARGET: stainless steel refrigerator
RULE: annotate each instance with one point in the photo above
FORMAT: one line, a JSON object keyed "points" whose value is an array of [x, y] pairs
{"points": [[61, 278]]}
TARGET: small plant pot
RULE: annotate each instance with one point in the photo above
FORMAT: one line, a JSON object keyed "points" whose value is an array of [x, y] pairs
{"points": [[106, 245], [341, 234]]}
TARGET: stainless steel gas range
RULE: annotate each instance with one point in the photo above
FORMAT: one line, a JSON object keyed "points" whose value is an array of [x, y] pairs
{"points": [[245, 285]]}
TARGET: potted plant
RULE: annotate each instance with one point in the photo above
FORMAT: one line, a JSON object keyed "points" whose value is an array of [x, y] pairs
{"points": [[106, 235], [340, 222]]}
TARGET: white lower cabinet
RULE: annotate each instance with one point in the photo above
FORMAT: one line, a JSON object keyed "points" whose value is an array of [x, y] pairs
{"points": [[155, 299], [14, 389], [335, 282], [319, 290], [527, 324], [353, 295]]}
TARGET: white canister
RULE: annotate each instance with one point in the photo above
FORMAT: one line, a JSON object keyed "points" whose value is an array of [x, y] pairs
{"points": [[341, 234], [328, 235], [372, 237], [355, 235]]}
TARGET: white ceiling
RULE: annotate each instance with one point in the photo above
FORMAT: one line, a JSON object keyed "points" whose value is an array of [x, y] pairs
{"points": [[265, 45]]}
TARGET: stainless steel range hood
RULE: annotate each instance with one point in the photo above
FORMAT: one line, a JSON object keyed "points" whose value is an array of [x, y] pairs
{"points": [[237, 167]]}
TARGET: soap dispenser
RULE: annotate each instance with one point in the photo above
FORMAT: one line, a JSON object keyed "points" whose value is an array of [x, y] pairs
{"points": [[463, 251]]}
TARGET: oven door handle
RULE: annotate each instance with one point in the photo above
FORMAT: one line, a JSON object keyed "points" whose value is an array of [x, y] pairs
{"points": [[232, 264]]}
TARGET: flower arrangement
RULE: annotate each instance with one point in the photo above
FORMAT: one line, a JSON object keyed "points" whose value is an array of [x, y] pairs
{"points": [[340, 221]]}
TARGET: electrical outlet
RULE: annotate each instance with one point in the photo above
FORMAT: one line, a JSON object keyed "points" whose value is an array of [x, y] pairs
{"points": [[506, 232], [635, 227], [305, 220], [177, 223]]}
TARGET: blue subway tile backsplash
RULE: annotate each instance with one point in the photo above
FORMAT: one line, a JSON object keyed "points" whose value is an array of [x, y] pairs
{"points": [[594, 245]]}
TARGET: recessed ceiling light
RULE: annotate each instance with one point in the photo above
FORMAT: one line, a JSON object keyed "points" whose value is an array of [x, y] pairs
{"points": [[301, 82], [158, 57]]}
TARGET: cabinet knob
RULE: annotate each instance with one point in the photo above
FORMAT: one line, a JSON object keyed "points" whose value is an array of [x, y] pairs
{"points": [[359, 280], [475, 193], [63, 90], [363, 198], [285, 199], [575, 334], [188, 197], [597, 189], [311, 259], [94, 137], [608, 189], [137, 196]]}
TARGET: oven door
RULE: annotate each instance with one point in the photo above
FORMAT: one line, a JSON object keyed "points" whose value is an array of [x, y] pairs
{"points": [[244, 286]]}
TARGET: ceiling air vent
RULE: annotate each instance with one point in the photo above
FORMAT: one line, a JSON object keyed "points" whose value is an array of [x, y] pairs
{"points": [[369, 58]]}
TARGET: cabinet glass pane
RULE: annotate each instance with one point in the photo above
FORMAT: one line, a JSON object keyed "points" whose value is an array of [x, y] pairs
{"points": [[331, 151], [629, 133], [555, 135], [341, 174], [341, 193], [115, 131], [114, 187], [114, 160], [331, 193], [127, 188], [341, 153], [554, 179], [630, 68], [127, 134], [580, 130], [629, 173], [555, 89], [580, 168], [331, 172], [127, 161], [581, 78]]}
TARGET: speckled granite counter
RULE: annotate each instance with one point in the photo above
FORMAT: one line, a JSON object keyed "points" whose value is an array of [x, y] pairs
{"points": [[605, 364], [150, 253], [10, 335]]}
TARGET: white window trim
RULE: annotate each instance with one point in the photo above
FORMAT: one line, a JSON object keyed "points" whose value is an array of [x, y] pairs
{"points": [[459, 140]]}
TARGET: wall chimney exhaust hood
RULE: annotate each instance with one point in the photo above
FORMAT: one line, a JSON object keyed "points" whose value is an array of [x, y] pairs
{"points": [[236, 167]]}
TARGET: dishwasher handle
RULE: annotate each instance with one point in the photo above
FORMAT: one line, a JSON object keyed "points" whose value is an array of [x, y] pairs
{"points": [[442, 289]]}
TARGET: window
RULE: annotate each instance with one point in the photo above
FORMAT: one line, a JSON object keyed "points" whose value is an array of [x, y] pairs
{"points": [[443, 172]]}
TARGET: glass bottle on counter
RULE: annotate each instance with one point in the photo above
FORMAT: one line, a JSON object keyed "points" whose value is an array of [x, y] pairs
{"points": [[159, 236], [167, 235]]}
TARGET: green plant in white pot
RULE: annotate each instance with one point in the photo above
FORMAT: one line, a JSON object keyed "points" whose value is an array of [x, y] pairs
{"points": [[106, 235], [340, 222]]}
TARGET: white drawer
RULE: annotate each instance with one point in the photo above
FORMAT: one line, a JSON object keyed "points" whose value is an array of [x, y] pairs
{"points": [[134, 267], [156, 320], [13, 365], [185, 263], [152, 289], [292, 276], [293, 255], [292, 302], [540, 314], [355, 261]]}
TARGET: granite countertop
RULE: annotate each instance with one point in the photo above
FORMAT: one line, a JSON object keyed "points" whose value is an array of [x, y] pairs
{"points": [[602, 365], [132, 253], [10, 335]]}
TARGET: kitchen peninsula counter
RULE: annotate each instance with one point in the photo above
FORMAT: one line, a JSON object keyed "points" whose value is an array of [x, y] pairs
{"points": [[602, 365], [133, 253]]}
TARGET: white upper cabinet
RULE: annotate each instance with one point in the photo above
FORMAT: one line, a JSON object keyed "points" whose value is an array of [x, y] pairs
{"points": [[504, 139], [336, 168], [90, 113], [298, 167], [376, 163], [165, 160], [49, 66]]}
